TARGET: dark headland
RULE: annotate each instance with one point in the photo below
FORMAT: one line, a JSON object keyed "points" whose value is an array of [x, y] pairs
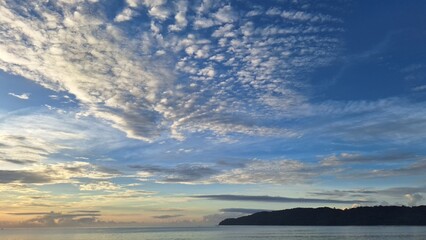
{"points": [[360, 216]]}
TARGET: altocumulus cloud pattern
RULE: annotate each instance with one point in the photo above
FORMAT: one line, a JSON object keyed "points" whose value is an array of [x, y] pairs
{"points": [[129, 112], [152, 68]]}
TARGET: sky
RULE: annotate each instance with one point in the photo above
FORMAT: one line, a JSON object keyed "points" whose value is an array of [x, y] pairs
{"points": [[156, 112]]}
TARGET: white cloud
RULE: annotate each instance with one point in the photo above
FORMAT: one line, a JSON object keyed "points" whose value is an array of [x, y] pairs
{"points": [[203, 52], [126, 15], [335, 160], [63, 172], [33, 138], [205, 6], [23, 96], [134, 3], [203, 23], [126, 76], [271, 172], [180, 18], [24, 149], [218, 58], [19, 188], [304, 16], [225, 14], [208, 72], [296, 15], [159, 12], [273, 11], [254, 13], [153, 3], [56, 219], [155, 28], [70, 172], [30, 137], [99, 186], [414, 199], [224, 31], [419, 88], [251, 172], [87, 61], [191, 49]]}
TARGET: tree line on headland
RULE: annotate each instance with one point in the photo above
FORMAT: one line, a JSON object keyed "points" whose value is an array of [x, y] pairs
{"points": [[324, 216]]}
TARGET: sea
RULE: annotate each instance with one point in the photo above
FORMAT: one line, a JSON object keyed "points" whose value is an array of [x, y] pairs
{"points": [[220, 233]]}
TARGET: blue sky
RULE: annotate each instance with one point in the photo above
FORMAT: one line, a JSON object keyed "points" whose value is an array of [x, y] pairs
{"points": [[187, 112]]}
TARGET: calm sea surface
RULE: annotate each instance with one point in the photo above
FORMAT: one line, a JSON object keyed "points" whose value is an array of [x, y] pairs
{"points": [[222, 232]]}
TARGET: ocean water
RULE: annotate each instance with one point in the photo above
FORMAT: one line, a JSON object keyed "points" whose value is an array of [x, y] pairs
{"points": [[219, 233]]}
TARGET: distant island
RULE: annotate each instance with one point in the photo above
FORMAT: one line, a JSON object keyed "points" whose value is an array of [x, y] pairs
{"points": [[324, 216]]}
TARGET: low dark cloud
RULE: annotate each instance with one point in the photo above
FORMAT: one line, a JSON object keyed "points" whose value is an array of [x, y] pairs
{"points": [[29, 213], [85, 211], [179, 173], [40, 205], [167, 216], [167, 210], [67, 215], [413, 195], [102, 169], [343, 193], [382, 157], [54, 219], [9, 176], [22, 150], [250, 172], [396, 191], [18, 161], [108, 170], [277, 199], [242, 210], [416, 168], [398, 125], [232, 164]]}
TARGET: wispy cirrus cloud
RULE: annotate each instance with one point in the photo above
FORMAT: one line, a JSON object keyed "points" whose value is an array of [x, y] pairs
{"points": [[67, 172], [413, 195], [184, 173], [26, 149], [412, 169], [34, 137], [251, 172], [395, 120], [382, 157], [23, 96], [269, 172]]}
